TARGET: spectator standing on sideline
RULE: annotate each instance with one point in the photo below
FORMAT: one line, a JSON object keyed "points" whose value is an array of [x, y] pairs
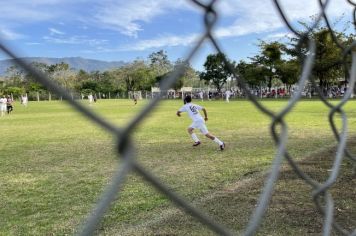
{"points": [[227, 95], [9, 104], [198, 122], [90, 98], [201, 95], [3, 105], [24, 100]]}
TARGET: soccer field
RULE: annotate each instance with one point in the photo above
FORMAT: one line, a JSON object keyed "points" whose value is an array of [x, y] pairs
{"points": [[54, 164]]}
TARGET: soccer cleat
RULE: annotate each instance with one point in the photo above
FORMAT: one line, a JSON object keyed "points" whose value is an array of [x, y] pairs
{"points": [[196, 144], [222, 146]]}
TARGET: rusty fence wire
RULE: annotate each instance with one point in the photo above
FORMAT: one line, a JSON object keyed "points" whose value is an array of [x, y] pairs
{"points": [[279, 130]]}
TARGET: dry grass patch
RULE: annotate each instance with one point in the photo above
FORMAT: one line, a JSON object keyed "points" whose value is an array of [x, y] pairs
{"points": [[291, 210]]}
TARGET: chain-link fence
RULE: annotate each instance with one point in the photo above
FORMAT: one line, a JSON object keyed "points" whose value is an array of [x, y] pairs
{"points": [[126, 147]]}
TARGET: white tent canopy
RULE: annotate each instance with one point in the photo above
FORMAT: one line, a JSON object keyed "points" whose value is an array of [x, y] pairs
{"points": [[186, 89], [155, 90]]}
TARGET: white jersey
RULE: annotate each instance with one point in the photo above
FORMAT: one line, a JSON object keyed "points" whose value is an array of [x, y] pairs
{"points": [[90, 98], [3, 102], [193, 111]]}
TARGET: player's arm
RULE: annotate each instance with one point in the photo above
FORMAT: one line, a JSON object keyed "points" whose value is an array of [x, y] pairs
{"points": [[205, 114], [182, 109]]}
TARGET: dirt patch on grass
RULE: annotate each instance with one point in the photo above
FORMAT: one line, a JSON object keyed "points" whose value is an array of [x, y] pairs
{"points": [[291, 211]]}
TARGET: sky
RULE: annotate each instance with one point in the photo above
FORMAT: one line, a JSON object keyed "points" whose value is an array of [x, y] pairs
{"points": [[124, 30]]}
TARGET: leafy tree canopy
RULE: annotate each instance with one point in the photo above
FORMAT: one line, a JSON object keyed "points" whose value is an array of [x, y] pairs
{"points": [[217, 70]]}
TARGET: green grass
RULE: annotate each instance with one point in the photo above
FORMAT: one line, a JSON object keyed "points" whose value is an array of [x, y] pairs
{"points": [[54, 164]]}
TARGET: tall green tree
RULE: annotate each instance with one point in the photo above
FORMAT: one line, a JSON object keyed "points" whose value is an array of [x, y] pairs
{"points": [[20, 81], [89, 86], [106, 84], [327, 68], [189, 75], [62, 74], [216, 70], [160, 63], [15, 76], [32, 85], [185, 74], [252, 73], [269, 59], [82, 75], [15, 91], [288, 72], [136, 76]]}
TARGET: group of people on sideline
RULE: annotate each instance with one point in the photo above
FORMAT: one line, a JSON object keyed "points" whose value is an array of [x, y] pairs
{"points": [[6, 105], [210, 95], [92, 98]]}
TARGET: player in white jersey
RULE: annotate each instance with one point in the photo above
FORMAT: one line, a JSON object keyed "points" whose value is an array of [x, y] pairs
{"points": [[90, 98], [227, 95], [198, 122], [3, 107], [24, 100]]}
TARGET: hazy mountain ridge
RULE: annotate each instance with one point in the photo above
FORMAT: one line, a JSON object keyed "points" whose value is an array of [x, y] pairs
{"points": [[75, 63]]}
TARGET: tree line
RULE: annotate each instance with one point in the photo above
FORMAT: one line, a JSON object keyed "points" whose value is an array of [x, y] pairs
{"points": [[135, 76], [281, 64], [276, 63]]}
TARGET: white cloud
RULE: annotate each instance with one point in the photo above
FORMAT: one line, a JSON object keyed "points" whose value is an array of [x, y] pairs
{"points": [[126, 17], [256, 15], [277, 36], [9, 34], [75, 40], [253, 16], [238, 17], [164, 41], [294, 9], [23, 13], [54, 31], [32, 43]]}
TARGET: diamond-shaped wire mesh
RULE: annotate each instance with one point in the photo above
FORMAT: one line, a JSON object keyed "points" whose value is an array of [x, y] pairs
{"points": [[126, 148]]}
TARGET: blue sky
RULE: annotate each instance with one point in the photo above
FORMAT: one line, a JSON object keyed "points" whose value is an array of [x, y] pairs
{"points": [[126, 30]]}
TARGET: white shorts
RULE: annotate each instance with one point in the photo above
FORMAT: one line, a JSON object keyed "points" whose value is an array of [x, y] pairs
{"points": [[3, 107], [200, 125]]}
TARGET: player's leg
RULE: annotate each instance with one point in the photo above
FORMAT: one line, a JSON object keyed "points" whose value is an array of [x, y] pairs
{"points": [[216, 140], [205, 131], [194, 136]]}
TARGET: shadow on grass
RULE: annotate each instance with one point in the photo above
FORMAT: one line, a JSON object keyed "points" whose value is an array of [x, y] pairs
{"points": [[291, 210]]}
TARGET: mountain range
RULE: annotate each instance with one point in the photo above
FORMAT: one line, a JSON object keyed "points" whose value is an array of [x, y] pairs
{"points": [[75, 63]]}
